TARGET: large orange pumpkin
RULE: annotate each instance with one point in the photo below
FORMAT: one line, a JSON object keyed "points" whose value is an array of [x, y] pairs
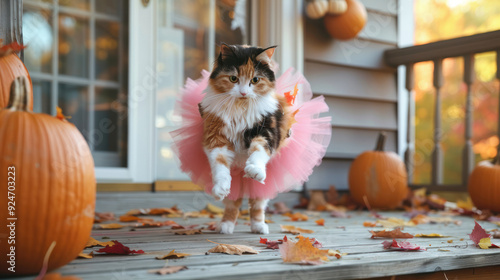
{"points": [[379, 178], [47, 176], [348, 24], [11, 67], [484, 185]]}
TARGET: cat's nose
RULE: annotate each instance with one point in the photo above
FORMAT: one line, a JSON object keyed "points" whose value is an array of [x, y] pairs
{"points": [[243, 94]]}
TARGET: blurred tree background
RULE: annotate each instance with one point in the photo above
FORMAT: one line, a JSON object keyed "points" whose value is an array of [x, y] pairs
{"points": [[444, 19]]}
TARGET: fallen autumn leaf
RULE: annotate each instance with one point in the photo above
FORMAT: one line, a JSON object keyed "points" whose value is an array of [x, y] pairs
{"points": [[232, 249]]}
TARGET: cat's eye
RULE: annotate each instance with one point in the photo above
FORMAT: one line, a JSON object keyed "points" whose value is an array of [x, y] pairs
{"points": [[233, 79], [255, 80]]}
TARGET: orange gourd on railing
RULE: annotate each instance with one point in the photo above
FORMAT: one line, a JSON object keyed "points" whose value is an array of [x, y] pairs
{"points": [[10, 68], [484, 185], [52, 186], [348, 24], [378, 178]]}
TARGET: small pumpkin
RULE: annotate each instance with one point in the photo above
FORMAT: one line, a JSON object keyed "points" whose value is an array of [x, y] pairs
{"points": [[484, 185], [378, 178], [347, 25], [48, 169], [317, 9], [12, 67], [337, 7]]}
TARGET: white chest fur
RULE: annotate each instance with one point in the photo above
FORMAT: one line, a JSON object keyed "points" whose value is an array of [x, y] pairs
{"points": [[238, 115]]}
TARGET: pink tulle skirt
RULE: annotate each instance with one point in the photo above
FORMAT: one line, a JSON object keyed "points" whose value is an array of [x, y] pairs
{"points": [[288, 168]]}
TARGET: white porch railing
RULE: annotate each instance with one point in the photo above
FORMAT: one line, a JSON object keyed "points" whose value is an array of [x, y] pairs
{"points": [[465, 47]]}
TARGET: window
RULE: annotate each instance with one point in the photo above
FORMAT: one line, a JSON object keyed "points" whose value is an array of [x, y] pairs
{"points": [[187, 40], [77, 58]]}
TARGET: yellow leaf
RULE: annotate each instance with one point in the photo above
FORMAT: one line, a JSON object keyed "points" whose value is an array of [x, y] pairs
{"points": [[173, 255], [485, 243], [93, 242], [467, 205], [110, 226], [214, 209], [429, 235], [232, 249], [295, 230], [83, 255]]}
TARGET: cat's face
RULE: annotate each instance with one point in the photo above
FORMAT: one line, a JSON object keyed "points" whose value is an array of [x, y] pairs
{"points": [[243, 72]]}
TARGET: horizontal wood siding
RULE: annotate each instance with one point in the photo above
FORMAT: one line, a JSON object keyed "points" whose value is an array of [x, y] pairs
{"points": [[372, 85], [359, 88]]}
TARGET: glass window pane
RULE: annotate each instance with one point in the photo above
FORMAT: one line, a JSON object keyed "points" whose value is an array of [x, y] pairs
{"points": [[107, 50], [39, 37], [41, 96], [73, 100], [73, 46], [230, 25], [195, 23], [77, 4], [111, 7], [106, 119]]}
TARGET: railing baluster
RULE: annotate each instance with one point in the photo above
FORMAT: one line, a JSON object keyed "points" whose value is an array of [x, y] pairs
{"points": [[468, 154], [498, 77], [437, 154], [410, 134]]}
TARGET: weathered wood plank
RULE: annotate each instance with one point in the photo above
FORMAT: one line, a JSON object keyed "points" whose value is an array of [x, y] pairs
{"points": [[328, 79], [361, 113]]}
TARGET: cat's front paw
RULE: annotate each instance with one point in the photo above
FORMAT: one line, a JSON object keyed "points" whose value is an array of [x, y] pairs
{"points": [[221, 188], [259, 227], [256, 172], [226, 227]]}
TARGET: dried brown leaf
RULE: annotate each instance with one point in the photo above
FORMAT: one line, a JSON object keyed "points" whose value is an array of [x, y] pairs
{"points": [[396, 233], [295, 230], [173, 255], [93, 242], [188, 232], [232, 249], [110, 226], [167, 270]]}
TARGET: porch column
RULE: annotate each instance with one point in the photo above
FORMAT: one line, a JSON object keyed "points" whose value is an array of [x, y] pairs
{"points": [[11, 14]]}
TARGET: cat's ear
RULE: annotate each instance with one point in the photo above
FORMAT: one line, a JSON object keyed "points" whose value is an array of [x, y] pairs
{"points": [[225, 51], [266, 55]]}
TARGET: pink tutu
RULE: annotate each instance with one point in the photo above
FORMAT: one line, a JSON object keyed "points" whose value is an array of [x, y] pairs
{"points": [[290, 167]]}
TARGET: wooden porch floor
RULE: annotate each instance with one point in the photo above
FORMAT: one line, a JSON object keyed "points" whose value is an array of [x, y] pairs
{"points": [[365, 257]]}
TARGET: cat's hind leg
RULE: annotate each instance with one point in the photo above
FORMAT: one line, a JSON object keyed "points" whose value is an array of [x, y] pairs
{"points": [[258, 215], [230, 215]]}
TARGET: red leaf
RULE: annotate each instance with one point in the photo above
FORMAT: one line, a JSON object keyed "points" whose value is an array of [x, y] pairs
{"points": [[119, 249], [478, 233], [10, 48], [270, 243], [401, 246]]}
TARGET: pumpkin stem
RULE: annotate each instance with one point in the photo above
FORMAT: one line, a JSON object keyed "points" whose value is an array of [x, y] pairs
{"points": [[381, 142], [19, 94]]}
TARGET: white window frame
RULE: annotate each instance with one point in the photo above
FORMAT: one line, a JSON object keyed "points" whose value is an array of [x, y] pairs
{"points": [[141, 98], [277, 22]]}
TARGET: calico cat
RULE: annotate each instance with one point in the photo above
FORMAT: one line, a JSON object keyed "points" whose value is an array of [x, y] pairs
{"points": [[245, 124]]}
